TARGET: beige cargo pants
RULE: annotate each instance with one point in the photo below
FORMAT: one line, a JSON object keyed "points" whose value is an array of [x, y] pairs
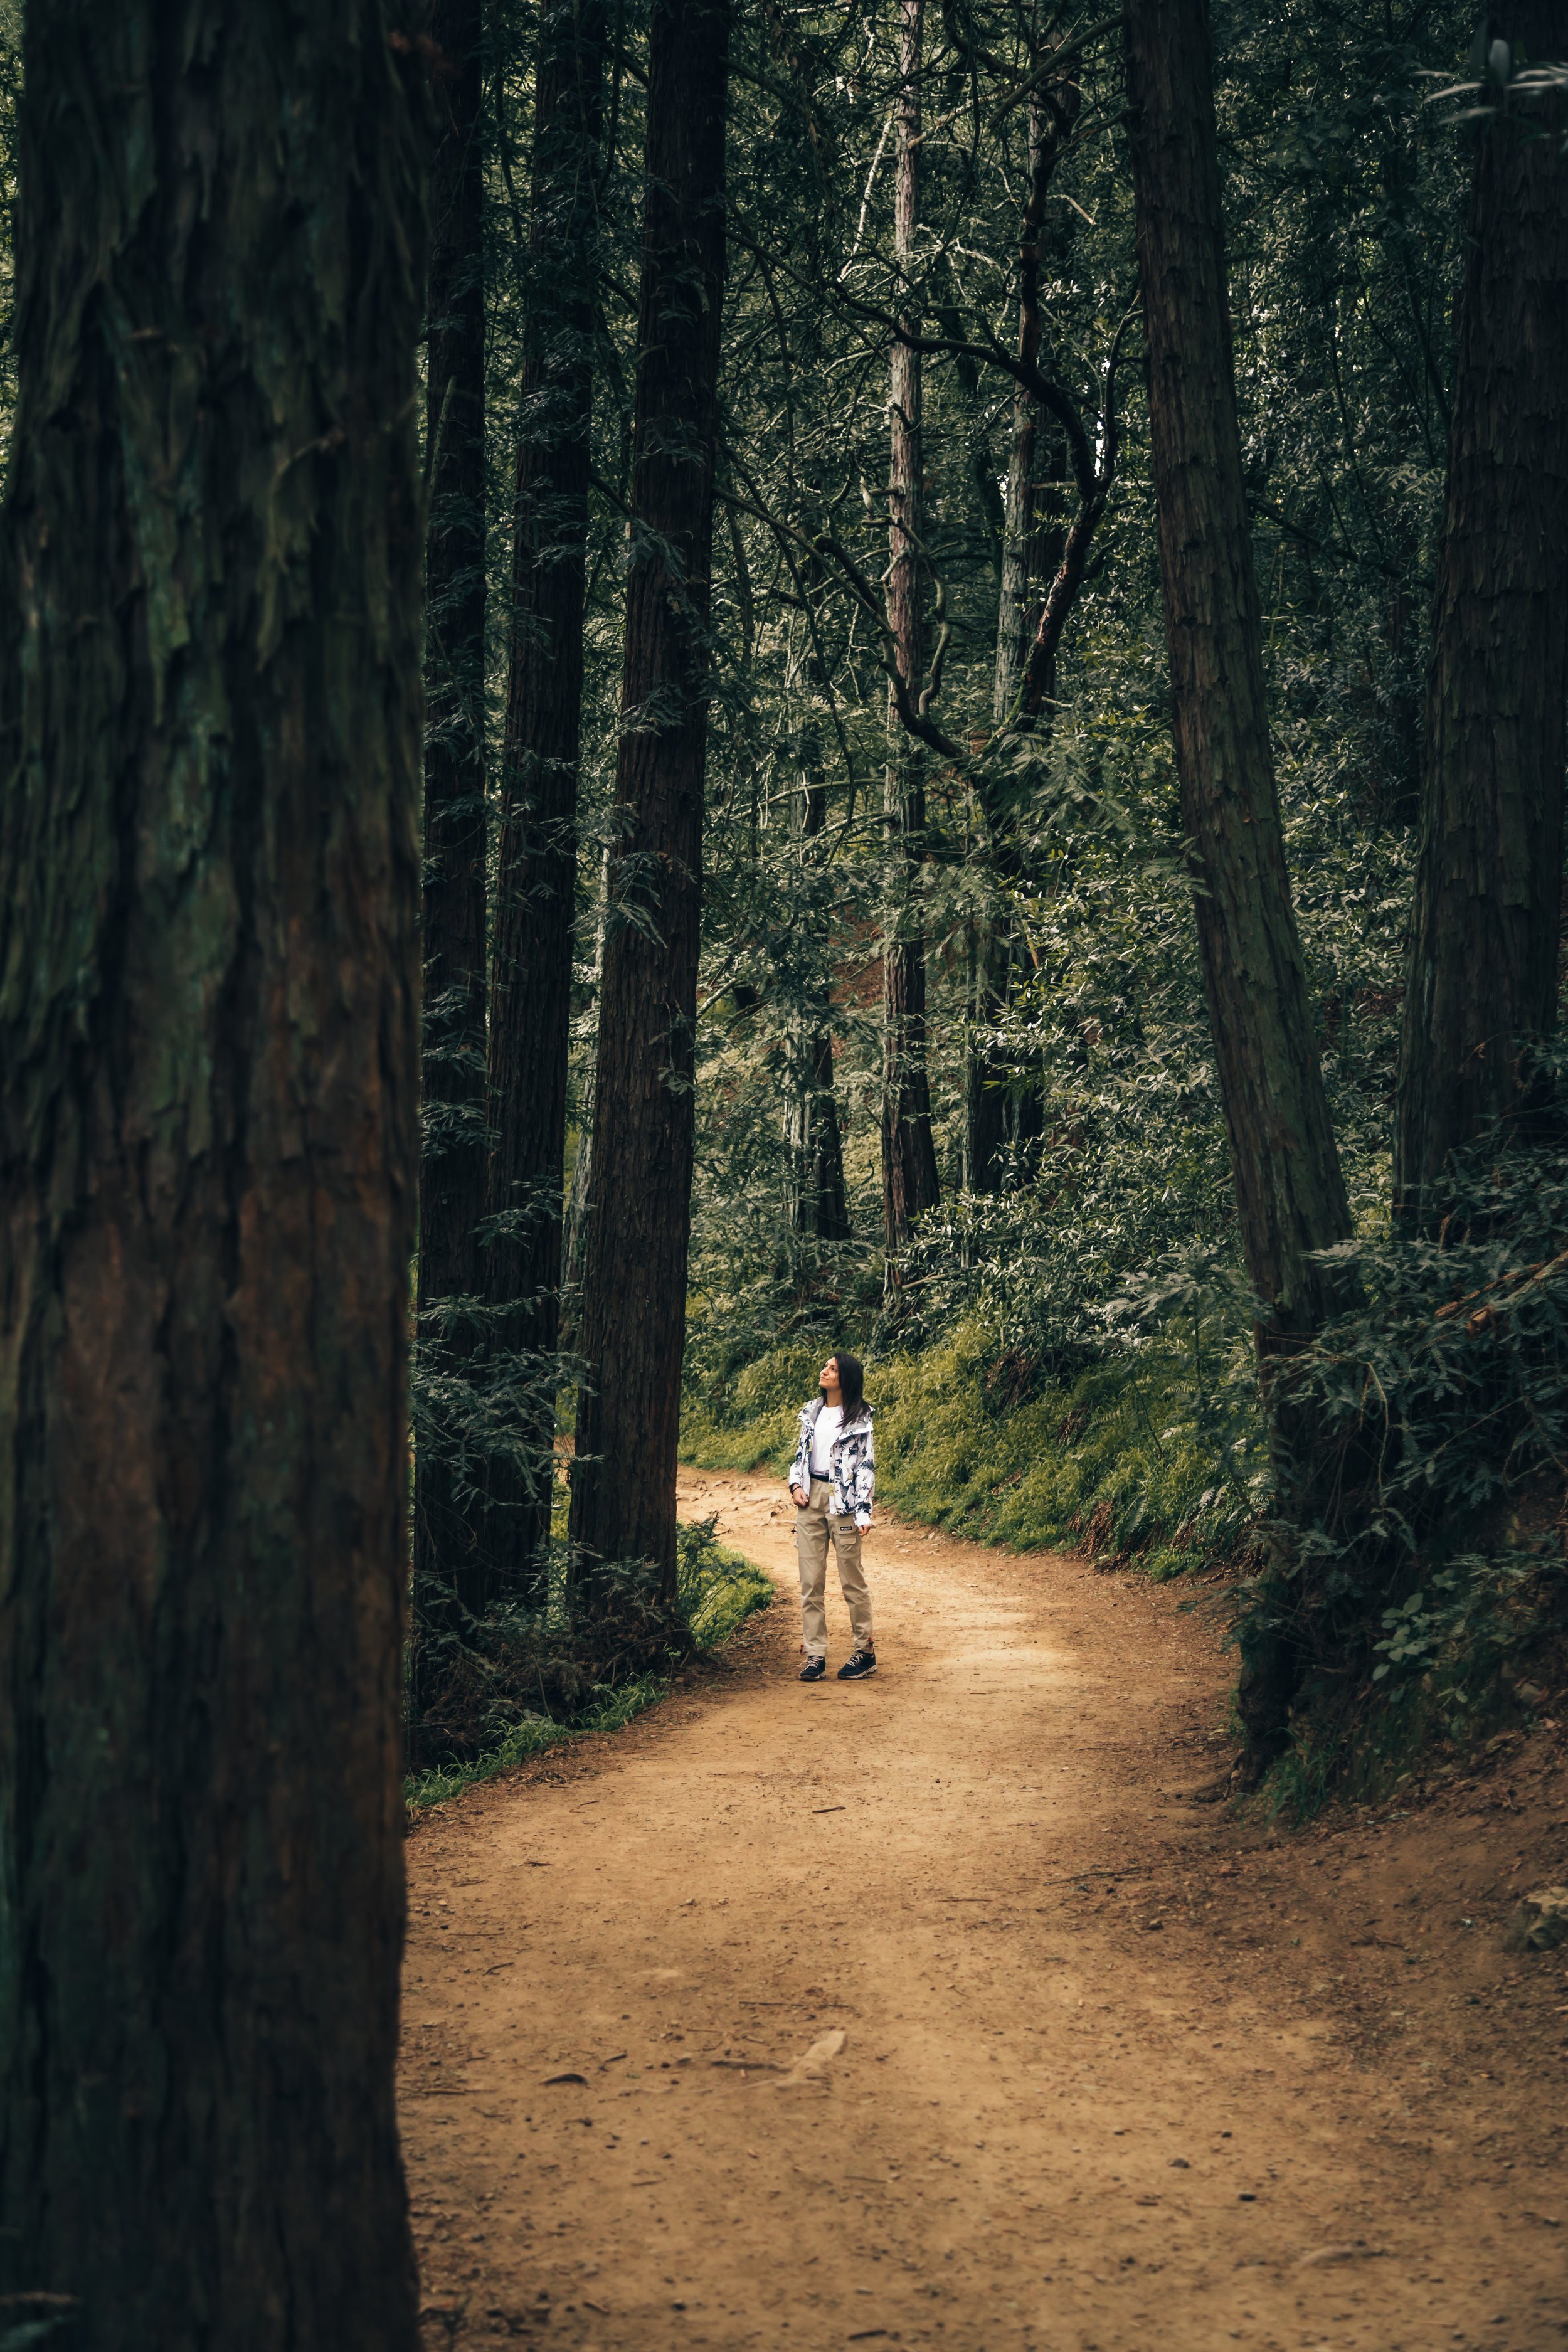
{"points": [[812, 1528]]}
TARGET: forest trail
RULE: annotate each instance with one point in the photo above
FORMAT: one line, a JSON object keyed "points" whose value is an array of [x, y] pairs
{"points": [[1094, 2066]]}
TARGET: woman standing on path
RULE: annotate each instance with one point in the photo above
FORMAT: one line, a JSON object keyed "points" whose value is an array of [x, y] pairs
{"points": [[832, 1479]]}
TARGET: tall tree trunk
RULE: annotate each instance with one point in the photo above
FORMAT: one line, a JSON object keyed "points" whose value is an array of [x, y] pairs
{"points": [[908, 1153], [530, 1002], [632, 1324], [1032, 550], [818, 1204], [1032, 547], [814, 1150], [574, 1225], [1481, 976], [985, 1069], [448, 1565], [209, 898], [1290, 1195]]}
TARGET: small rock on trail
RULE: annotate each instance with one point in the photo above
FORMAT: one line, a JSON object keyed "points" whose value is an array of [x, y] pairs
{"points": [[813, 2063]]}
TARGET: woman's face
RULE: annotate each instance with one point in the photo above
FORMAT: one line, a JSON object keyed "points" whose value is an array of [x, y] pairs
{"points": [[829, 1376]]}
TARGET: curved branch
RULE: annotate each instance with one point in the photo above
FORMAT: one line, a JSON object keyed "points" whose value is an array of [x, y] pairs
{"points": [[912, 714], [1064, 589], [995, 354], [1068, 53], [913, 721], [933, 685]]}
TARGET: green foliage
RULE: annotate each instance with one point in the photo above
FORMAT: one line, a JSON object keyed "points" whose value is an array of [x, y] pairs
{"points": [[530, 1736], [718, 1590], [1437, 1575], [1437, 1584], [1066, 1359], [1121, 1461]]}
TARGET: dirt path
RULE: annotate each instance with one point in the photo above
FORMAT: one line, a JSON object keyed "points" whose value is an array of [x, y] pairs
{"points": [[1093, 2067]]}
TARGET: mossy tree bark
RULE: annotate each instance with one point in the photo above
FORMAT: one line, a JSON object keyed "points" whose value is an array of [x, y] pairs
{"points": [[451, 1571], [1289, 1191], [209, 892], [910, 1183], [633, 1323], [1481, 975], [531, 997]]}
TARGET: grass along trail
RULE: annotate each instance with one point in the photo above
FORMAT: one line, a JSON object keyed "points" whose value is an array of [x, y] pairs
{"points": [[930, 2011]]}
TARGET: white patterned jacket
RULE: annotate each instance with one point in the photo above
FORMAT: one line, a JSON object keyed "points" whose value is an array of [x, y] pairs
{"points": [[854, 1465]]}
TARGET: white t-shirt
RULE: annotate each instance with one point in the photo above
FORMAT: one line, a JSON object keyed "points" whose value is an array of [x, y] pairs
{"points": [[829, 1421]]}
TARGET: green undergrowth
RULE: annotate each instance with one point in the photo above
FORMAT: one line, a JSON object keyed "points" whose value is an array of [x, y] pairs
{"points": [[719, 1590], [1134, 1458]]}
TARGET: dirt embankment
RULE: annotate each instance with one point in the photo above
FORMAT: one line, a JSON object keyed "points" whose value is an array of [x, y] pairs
{"points": [[928, 2011]]}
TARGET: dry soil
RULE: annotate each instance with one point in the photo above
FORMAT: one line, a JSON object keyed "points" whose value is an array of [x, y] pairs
{"points": [[933, 2010]]}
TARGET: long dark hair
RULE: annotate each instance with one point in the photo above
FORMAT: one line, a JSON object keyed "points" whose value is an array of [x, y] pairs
{"points": [[851, 1384]]}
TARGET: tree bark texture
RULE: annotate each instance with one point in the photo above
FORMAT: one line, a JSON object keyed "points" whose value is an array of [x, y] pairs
{"points": [[1289, 1191], [1482, 974], [908, 1153], [1003, 1108], [1291, 1195], [1036, 480], [211, 712], [632, 1324], [531, 999], [574, 1225], [449, 1577], [818, 1203]]}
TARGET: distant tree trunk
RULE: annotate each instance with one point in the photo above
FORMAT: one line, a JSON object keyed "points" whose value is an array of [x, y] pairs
{"points": [[1031, 553], [210, 564], [1032, 550], [1291, 1195], [820, 1205], [632, 1324], [813, 1151], [530, 1001], [1032, 547], [1003, 1107], [908, 1153], [1481, 975], [449, 1575]]}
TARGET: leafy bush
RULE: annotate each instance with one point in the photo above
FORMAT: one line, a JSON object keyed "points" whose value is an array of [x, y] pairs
{"points": [[717, 1589], [1438, 1573], [1120, 1461]]}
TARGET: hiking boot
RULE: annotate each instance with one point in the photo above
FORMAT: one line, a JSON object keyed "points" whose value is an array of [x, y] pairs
{"points": [[855, 1669], [813, 1670]]}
